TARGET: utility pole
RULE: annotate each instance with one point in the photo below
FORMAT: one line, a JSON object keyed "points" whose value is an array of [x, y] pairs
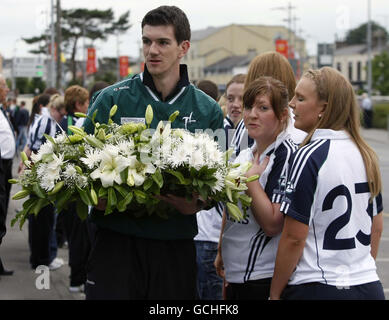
{"points": [[289, 20], [52, 45], [59, 41], [369, 66], [118, 57], [83, 57]]}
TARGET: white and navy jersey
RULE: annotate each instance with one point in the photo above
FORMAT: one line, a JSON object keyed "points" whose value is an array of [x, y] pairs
{"points": [[238, 138], [30, 133], [44, 125], [248, 254], [327, 189], [209, 223]]}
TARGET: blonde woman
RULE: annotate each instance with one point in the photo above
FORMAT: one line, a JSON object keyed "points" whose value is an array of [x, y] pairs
{"points": [[275, 65], [332, 201]]}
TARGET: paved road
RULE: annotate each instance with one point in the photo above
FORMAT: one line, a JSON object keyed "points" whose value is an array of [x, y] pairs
{"points": [[379, 141], [15, 253], [22, 285]]}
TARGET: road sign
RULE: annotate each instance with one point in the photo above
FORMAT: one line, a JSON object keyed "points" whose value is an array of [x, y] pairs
{"points": [[28, 67]]}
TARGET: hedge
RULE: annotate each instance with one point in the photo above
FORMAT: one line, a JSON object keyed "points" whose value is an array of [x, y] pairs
{"points": [[380, 114]]}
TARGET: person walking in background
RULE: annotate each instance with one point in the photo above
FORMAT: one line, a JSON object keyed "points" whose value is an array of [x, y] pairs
{"points": [[332, 199], [247, 248], [21, 118], [7, 153], [39, 103], [76, 100], [41, 226], [367, 108]]}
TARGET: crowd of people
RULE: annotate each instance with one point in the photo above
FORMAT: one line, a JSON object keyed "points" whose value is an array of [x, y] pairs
{"points": [[307, 234], [51, 113]]}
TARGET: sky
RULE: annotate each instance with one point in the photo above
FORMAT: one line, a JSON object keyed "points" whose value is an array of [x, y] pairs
{"points": [[316, 21]]}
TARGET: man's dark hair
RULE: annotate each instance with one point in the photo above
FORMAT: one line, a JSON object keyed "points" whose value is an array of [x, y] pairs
{"points": [[169, 15]]}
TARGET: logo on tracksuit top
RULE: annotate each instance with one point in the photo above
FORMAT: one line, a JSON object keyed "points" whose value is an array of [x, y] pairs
{"points": [[188, 120]]}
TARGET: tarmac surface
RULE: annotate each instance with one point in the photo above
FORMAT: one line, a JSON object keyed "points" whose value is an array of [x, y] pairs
{"points": [[26, 284]]}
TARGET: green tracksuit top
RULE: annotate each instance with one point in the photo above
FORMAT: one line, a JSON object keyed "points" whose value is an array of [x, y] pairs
{"points": [[197, 111]]}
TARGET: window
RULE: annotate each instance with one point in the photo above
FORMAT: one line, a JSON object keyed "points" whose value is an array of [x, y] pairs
{"points": [[350, 71], [359, 71], [339, 66]]}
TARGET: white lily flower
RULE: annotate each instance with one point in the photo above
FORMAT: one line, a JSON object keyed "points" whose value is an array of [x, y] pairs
{"points": [[56, 163], [111, 166], [134, 178]]}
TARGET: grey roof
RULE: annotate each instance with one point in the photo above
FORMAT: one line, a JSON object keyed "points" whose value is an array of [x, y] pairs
{"points": [[204, 33], [353, 49], [358, 49], [228, 63]]}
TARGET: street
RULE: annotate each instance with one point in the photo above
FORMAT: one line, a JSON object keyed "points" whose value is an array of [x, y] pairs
{"points": [[379, 141]]}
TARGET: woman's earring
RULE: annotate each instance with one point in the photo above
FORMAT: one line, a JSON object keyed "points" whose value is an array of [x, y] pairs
{"points": [[320, 116]]}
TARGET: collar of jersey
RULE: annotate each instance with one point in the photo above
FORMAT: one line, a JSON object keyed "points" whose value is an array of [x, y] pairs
{"points": [[148, 81], [329, 134], [283, 135]]}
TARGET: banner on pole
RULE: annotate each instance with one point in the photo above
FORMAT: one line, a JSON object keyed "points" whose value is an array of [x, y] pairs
{"points": [[91, 61], [123, 66], [282, 47]]}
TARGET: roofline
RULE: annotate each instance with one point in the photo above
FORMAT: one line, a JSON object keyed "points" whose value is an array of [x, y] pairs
{"points": [[219, 28]]}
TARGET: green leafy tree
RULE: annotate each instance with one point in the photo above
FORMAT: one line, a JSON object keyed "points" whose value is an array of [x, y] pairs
{"points": [[35, 83], [359, 34], [82, 23], [380, 73], [22, 85]]}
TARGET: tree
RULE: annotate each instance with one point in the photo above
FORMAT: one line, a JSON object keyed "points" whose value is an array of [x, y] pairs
{"points": [[380, 73], [359, 34], [82, 23]]}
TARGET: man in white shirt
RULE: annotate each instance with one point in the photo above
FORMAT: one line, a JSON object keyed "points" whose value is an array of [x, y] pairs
{"points": [[7, 152], [7, 139]]}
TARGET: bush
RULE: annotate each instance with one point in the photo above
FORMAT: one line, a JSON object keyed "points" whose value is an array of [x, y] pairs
{"points": [[381, 112]]}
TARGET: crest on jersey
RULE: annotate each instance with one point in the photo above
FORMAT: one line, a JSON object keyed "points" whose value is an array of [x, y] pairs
{"points": [[188, 120]]}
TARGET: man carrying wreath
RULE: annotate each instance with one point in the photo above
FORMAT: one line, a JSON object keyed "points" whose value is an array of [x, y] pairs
{"points": [[151, 257]]}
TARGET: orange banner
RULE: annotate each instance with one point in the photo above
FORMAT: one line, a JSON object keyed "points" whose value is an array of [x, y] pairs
{"points": [[282, 47], [123, 65], [91, 61]]}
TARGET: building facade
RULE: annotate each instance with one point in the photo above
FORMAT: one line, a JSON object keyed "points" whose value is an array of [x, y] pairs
{"points": [[351, 61], [217, 47]]}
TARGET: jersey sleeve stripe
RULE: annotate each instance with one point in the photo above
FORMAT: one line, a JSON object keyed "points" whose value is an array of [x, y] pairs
{"points": [[299, 166], [299, 195], [378, 200], [279, 192]]}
